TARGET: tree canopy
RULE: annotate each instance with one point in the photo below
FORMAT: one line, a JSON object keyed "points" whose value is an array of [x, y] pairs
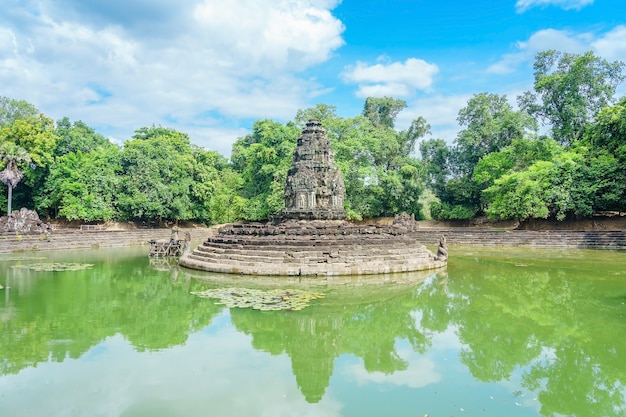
{"points": [[498, 165]]}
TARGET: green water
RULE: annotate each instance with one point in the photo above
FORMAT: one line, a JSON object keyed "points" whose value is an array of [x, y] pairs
{"points": [[503, 332]]}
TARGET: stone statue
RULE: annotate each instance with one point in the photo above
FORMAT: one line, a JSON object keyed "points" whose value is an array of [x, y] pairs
{"points": [[187, 243], [174, 235], [442, 250]]}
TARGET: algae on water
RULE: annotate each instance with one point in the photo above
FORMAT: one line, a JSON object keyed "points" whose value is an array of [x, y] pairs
{"points": [[55, 266], [277, 299]]}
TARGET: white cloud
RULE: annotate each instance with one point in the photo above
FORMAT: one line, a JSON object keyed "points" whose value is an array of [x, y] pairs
{"points": [[122, 71], [270, 35], [391, 79], [439, 111], [522, 5], [612, 45]]}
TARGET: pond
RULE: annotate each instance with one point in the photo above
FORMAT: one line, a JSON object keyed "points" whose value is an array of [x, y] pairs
{"points": [[501, 332]]}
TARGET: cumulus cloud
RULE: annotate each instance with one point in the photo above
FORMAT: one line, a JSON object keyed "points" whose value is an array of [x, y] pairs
{"points": [[398, 79], [440, 111], [168, 63], [610, 45], [522, 5]]}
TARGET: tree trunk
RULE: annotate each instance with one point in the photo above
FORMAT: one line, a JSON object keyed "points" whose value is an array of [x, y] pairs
{"points": [[9, 199]]}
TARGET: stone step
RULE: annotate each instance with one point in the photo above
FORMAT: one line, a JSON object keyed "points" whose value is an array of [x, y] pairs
{"points": [[248, 259]]}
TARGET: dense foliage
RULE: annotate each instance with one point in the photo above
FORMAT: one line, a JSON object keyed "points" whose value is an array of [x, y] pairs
{"points": [[499, 165]]}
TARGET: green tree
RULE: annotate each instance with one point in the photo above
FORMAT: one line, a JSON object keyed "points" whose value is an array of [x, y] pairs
{"points": [[570, 90], [214, 188], [606, 138], [157, 176], [517, 156], [490, 124], [78, 137], [263, 158], [12, 110], [83, 186], [435, 154], [554, 188], [35, 135], [12, 155], [382, 111]]}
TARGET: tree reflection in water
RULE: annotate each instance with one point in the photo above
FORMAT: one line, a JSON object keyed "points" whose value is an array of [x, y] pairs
{"points": [[557, 319]]}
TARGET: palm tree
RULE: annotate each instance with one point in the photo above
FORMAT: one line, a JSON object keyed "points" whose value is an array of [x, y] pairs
{"points": [[11, 175]]}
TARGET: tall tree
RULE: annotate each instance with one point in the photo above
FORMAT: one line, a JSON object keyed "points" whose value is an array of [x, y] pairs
{"points": [[570, 90], [11, 175], [84, 186], [11, 110], [78, 137], [157, 176], [490, 124], [382, 111], [606, 139], [263, 158], [435, 154], [36, 135]]}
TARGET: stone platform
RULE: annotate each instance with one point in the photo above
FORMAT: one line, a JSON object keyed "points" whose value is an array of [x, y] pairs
{"points": [[311, 248]]}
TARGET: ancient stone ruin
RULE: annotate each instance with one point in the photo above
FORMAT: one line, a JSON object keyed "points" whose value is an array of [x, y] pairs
{"points": [[310, 236], [23, 221], [314, 188]]}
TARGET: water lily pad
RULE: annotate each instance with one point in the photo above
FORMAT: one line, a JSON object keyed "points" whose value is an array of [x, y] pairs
{"points": [[55, 266], [270, 300]]}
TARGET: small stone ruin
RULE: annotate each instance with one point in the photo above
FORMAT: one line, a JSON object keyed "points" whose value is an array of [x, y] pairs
{"points": [[23, 221], [310, 236]]}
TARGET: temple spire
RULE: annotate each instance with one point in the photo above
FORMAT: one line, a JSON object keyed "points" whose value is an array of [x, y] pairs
{"points": [[314, 189]]}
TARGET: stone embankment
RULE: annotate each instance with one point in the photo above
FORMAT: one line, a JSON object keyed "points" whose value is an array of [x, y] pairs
{"points": [[64, 239], [565, 239]]}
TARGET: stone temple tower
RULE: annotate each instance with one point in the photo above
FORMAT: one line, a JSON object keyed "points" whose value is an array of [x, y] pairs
{"points": [[314, 188]]}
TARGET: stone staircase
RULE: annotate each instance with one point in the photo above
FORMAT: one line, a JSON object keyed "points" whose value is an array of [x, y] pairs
{"points": [[314, 248], [566, 239], [324, 258], [63, 239]]}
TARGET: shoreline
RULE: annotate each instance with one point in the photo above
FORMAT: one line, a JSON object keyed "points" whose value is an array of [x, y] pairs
{"points": [[456, 236]]}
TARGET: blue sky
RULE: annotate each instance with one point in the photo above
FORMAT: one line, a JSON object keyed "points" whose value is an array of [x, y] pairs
{"points": [[212, 67]]}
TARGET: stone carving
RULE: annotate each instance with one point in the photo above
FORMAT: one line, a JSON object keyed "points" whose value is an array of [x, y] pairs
{"points": [[24, 221], [314, 188], [442, 250], [405, 221]]}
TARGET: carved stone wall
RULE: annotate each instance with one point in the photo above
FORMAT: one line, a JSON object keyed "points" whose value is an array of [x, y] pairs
{"points": [[314, 189]]}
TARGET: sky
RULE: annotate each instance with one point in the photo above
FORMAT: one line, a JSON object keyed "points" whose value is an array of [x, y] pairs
{"points": [[211, 68]]}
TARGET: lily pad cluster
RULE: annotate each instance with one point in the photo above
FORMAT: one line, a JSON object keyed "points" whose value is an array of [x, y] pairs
{"points": [[55, 266], [278, 299]]}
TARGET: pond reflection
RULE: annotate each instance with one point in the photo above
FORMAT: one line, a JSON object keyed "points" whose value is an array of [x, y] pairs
{"points": [[501, 332]]}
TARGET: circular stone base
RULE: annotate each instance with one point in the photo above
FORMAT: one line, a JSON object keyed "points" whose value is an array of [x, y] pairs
{"points": [[311, 248]]}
